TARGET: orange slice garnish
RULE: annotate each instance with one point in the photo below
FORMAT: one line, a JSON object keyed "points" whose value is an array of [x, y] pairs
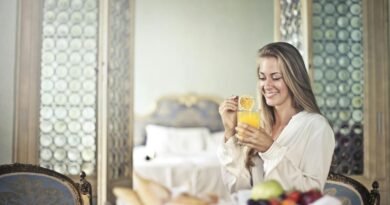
{"points": [[246, 102]]}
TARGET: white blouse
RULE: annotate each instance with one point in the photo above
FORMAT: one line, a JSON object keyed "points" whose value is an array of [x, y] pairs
{"points": [[299, 158]]}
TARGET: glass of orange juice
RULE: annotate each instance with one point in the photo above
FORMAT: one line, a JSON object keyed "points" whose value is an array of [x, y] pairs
{"points": [[246, 113], [251, 118]]}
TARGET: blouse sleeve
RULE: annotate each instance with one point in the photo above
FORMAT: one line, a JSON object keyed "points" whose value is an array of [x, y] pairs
{"points": [[312, 168], [232, 158]]}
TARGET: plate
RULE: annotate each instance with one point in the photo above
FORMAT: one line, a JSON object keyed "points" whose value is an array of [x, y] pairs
{"points": [[343, 35], [318, 48], [63, 17], [317, 21], [61, 85], [74, 113], [344, 61], [344, 102], [61, 58], [47, 85], [74, 169], [330, 21], [318, 74], [89, 99], [62, 30], [73, 155], [330, 48], [74, 99], [343, 47], [76, 17], [331, 88], [48, 43], [343, 88], [75, 44], [48, 30], [60, 99], [357, 62], [60, 154], [89, 113], [45, 140], [356, 35], [355, 9], [88, 154], [88, 141], [89, 86], [88, 127], [46, 99], [74, 85], [63, 4], [329, 8], [74, 126], [357, 75], [46, 112], [75, 58], [62, 44], [76, 31], [60, 127], [343, 75], [60, 113], [356, 48], [317, 8], [342, 22], [76, 4], [356, 22], [331, 102], [318, 61], [46, 154], [330, 61], [47, 57]]}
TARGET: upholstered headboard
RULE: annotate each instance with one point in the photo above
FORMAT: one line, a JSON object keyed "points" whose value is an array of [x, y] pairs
{"points": [[187, 110]]}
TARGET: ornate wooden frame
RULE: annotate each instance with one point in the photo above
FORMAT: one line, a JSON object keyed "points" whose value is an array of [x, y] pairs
{"points": [[17, 167], [369, 198]]}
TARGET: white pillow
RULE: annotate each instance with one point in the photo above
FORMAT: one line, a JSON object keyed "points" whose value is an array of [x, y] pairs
{"points": [[214, 141], [171, 140]]}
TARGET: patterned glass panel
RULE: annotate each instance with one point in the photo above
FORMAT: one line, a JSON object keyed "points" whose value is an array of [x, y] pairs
{"points": [[68, 86], [119, 90], [338, 76], [291, 23]]}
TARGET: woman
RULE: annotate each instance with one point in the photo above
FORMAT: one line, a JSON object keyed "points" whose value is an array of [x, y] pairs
{"points": [[295, 144]]}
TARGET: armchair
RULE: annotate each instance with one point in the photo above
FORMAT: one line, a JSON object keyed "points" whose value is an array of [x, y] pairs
{"points": [[350, 191], [30, 184]]}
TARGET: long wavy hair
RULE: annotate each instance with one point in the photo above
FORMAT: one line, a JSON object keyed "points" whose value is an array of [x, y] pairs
{"points": [[296, 78]]}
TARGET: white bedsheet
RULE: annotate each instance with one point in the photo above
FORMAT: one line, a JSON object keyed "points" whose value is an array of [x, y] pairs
{"points": [[196, 174]]}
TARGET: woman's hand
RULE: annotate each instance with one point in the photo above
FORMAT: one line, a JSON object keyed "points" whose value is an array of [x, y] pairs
{"points": [[252, 137], [228, 111]]}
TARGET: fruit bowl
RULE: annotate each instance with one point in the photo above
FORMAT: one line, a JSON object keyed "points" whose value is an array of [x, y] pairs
{"points": [[271, 193]]}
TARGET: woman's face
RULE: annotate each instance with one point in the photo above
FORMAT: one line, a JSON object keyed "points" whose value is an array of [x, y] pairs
{"points": [[271, 83]]}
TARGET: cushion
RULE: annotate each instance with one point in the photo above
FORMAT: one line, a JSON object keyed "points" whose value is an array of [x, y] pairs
{"points": [[171, 140], [344, 192]]}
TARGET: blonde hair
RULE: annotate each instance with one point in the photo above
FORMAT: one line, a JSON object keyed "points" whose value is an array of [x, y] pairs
{"points": [[296, 78], [294, 75]]}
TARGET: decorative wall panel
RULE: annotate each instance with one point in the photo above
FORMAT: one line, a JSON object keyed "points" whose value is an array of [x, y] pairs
{"points": [[337, 48], [291, 23], [337, 62], [119, 90], [68, 86]]}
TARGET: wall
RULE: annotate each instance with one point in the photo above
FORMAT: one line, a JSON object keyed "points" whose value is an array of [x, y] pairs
{"points": [[202, 46], [8, 10]]}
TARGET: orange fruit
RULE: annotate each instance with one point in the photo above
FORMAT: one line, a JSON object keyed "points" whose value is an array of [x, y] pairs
{"points": [[246, 102]]}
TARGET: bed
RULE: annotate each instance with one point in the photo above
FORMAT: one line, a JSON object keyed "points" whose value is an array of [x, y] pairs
{"points": [[176, 145]]}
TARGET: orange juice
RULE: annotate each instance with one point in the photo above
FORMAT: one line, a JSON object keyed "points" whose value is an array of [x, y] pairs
{"points": [[251, 118]]}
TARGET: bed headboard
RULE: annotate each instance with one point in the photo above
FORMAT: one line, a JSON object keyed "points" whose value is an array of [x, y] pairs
{"points": [[186, 110]]}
